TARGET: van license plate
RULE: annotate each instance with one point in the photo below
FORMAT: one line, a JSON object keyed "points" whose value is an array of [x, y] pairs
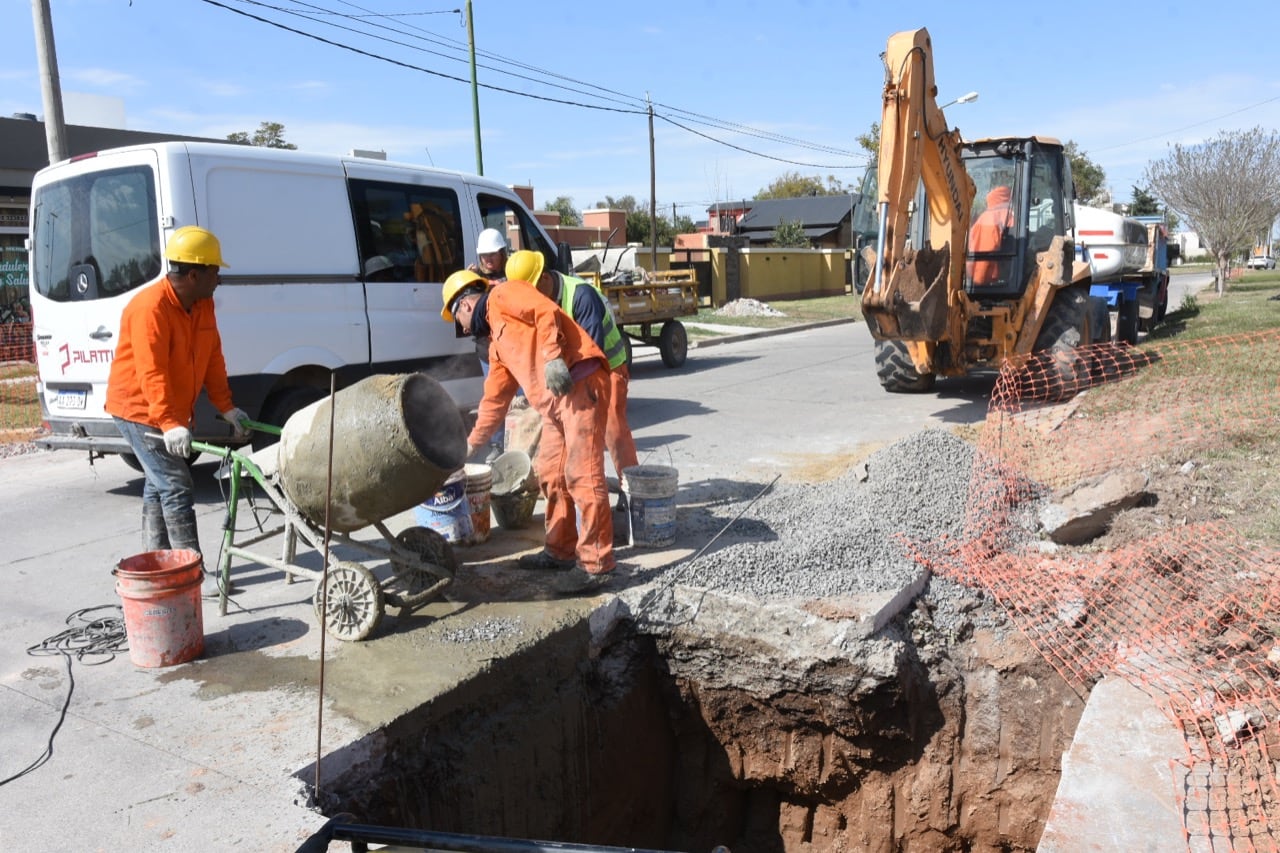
{"points": [[71, 399]]}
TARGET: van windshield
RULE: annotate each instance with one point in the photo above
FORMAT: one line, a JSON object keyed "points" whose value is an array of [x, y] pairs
{"points": [[95, 235]]}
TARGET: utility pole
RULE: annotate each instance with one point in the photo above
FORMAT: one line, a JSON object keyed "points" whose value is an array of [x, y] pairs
{"points": [[653, 196], [55, 129], [475, 91]]}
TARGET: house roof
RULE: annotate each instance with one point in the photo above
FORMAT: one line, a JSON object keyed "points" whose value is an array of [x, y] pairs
{"points": [[819, 214]]}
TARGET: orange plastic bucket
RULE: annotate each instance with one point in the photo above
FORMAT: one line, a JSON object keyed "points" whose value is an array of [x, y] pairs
{"points": [[163, 616]]}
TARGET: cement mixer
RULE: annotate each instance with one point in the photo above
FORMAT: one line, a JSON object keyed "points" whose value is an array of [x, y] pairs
{"points": [[395, 440]]}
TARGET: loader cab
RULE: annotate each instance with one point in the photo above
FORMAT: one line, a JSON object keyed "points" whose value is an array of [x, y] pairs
{"points": [[1022, 200]]}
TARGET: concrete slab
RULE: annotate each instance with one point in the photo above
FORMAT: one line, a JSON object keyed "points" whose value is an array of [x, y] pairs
{"points": [[1117, 785]]}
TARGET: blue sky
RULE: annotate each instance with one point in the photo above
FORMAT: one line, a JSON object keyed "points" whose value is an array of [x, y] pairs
{"points": [[743, 91]]}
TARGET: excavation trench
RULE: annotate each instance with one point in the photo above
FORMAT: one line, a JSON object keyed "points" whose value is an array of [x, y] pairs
{"points": [[709, 720]]}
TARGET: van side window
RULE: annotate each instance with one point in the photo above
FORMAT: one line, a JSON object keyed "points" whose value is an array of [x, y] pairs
{"points": [[98, 230], [417, 228], [514, 221]]}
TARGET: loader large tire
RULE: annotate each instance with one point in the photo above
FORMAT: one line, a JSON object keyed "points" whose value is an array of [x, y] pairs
{"points": [[897, 372], [1057, 346]]}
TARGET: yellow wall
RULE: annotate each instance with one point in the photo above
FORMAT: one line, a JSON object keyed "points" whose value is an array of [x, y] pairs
{"points": [[766, 274]]}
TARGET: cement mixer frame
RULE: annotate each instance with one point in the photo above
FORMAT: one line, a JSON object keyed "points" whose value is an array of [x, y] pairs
{"points": [[349, 600]]}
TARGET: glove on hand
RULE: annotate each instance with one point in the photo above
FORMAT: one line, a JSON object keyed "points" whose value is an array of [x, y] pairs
{"points": [[559, 382], [234, 417], [178, 442]]}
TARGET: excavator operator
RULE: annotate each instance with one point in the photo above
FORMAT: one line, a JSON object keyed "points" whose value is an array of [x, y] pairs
{"points": [[987, 234]]}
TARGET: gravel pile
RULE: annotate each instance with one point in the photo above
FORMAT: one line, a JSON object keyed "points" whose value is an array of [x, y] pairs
{"points": [[842, 537], [747, 308]]}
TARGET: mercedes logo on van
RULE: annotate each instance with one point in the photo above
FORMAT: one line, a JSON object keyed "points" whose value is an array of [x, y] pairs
{"points": [[82, 284]]}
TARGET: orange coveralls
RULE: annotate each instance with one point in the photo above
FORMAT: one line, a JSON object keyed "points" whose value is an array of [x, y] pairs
{"points": [[526, 331], [986, 234], [165, 356]]}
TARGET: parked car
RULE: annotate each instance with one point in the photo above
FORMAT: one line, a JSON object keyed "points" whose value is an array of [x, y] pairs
{"points": [[1261, 262]]}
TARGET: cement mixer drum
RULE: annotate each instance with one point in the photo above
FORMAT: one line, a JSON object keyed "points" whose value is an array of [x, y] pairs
{"points": [[396, 439]]}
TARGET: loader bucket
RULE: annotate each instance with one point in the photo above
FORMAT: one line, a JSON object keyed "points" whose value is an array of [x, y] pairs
{"points": [[913, 304]]}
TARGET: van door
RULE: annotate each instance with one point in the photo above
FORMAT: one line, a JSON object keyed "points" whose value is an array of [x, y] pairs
{"points": [[412, 236], [95, 239]]}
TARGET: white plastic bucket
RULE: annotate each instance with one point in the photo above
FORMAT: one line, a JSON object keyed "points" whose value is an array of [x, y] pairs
{"points": [[479, 479], [448, 512], [651, 504]]}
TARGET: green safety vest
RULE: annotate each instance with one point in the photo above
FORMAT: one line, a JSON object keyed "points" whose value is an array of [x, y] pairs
{"points": [[614, 349]]}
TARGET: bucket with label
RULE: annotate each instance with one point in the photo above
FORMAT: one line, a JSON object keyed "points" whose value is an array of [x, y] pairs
{"points": [[651, 504], [448, 512], [514, 490], [479, 480], [163, 615]]}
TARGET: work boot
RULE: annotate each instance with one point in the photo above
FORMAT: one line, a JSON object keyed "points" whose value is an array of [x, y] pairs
{"points": [[579, 580], [544, 562], [183, 534], [155, 536]]}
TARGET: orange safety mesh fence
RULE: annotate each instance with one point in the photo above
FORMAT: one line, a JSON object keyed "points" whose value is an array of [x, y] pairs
{"points": [[19, 404], [1188, 613]]}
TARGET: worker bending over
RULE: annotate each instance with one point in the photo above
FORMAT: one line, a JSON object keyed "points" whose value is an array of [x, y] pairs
{"points": [[537, 347]]}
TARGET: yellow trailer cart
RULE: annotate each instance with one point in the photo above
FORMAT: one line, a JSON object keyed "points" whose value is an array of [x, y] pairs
{"points": [[643, 301]]}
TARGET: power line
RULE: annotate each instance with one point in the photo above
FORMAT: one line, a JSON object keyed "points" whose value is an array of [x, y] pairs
{"points": [[1189, 126], [621, 98]]}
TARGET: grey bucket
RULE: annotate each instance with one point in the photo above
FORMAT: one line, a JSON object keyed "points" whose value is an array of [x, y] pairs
{"points": [[651, 504], [397, 438]]}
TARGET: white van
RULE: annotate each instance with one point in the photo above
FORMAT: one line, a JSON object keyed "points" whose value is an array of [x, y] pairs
{"points": [[298, 231]]}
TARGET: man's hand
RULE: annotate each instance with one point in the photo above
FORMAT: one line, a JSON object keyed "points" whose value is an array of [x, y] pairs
{"points": [[559, 382], [178, 442], [471, 448], [236, 417]]}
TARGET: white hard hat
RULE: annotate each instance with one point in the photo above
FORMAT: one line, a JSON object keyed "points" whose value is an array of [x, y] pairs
{"points": [[490, 241], [377, 263]]}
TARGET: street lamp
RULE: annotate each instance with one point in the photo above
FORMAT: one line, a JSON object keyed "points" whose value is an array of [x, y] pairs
{"points": [[963, 99]]}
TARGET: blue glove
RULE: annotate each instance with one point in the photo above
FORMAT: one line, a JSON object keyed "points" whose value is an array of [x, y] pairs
{"points": [[178, 442], [559, 382]]}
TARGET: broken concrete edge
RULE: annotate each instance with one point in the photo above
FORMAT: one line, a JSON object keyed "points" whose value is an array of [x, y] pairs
{"points": [[767, 333]]}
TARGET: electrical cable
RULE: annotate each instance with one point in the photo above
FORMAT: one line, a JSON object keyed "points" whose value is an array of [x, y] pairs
{"points": [[88, 637]]}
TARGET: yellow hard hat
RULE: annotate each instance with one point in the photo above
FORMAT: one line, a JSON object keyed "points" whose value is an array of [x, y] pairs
{"points": [[525, 265], [454, 285], [192, 244]]}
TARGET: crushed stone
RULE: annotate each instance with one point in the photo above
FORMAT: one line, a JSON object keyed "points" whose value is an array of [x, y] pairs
{"points": [[747, 308]]}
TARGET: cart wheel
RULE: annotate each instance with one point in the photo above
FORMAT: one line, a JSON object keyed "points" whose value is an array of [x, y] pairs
{"points": [[355, 602], [673, 343], [436, 560], [626, 343]]}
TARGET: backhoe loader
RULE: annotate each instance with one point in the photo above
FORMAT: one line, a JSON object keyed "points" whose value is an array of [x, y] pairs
{"points": [[974, 263]]}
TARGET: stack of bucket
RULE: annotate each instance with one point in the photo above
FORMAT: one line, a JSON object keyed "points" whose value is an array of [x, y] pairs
{"points": [[460, 510], [515, 490]]}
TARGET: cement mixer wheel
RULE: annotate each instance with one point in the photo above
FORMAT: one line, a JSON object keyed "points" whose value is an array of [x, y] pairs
{"points": [[435, 560], [354, 605]]}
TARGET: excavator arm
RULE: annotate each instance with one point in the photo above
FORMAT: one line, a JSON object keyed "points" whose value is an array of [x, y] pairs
{"points": [[916, 295]]}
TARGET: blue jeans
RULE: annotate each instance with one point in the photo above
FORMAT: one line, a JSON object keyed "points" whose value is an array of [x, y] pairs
{"points": [[168, 482]]}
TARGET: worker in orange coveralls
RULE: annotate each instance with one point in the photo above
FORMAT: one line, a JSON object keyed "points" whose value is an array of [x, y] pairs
{"points": [[537, 347], [169, 349], [987, 233]]}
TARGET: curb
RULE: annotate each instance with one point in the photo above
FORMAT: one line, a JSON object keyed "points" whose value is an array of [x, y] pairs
{"points": [[767, 333]]}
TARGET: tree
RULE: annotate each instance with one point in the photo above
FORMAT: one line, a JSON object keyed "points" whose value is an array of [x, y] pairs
{"points": [[1228, 189], [270, 134], [1143, 203], [870, 142], [795, 185], [790, 235], [563, 205], [626, 203], [1089, 177]]}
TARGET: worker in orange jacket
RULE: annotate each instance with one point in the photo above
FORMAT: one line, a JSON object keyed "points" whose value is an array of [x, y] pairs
{"points": [[987, 234], [537, 347], [169, 349]]}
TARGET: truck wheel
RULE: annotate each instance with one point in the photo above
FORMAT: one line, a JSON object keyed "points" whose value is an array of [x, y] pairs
{"points": [[1065, 369], [281, 406], [673, 343], [896, 370]]}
